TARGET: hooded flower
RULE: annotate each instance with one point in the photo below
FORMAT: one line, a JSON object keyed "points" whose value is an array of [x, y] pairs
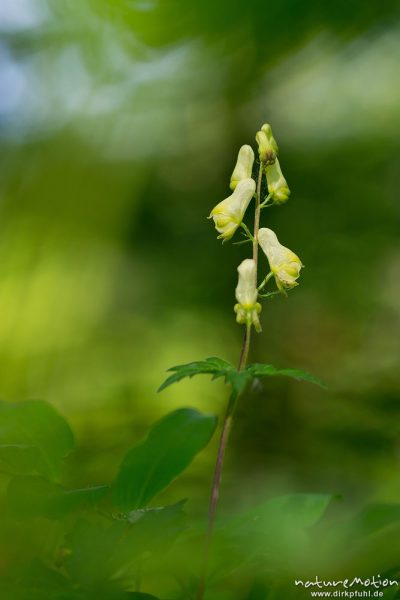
{"points": [[229, 213], [244, 166], [284, 264], [277, 185], [267, 146], [247, 309]]}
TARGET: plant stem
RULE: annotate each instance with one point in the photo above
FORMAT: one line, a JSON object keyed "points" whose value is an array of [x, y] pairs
{"points": [[265, 281], [257, 216], [227, 423]]}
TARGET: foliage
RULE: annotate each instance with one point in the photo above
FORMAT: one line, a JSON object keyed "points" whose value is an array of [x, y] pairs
{"points": [[103, 552], [169, 448], [238, 380]]}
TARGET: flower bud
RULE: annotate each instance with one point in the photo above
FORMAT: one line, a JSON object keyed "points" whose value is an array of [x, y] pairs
{"points": [[229, 213], [267, 146], [277, 186], [247, 309], [284, 264], [244, 166]]}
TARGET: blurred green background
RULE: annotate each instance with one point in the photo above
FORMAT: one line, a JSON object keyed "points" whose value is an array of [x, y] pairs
{"points": [[120, 124]]}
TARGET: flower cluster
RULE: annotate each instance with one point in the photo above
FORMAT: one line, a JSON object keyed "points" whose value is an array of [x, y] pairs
{"points": [[228, 217]]}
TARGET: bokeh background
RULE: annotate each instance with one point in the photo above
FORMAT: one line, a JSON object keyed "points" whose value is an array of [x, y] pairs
{"points": [[120, 124]]}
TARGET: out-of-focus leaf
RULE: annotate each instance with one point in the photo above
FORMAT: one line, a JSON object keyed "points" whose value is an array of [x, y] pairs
{"points": [[374, 517], [34, 438], [92, 552], [140, 596], [155, 529], [261, 370], [258, 591], [277, 532], [169, 448], [292, 510], [217, 367], [36, 582], [98, 551], [33, 496]]}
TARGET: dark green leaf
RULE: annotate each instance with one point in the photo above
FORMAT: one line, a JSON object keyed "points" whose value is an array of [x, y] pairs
{"points": [[217, 367], [140, 596], [261, 370], [33, 496], [169, 448], [34, 438]]}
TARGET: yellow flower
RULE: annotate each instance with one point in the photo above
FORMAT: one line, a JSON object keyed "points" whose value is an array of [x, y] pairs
{"points": [[284, 264], [244, 166], [229, 213], [277, 186], [247, 309], [267, 146]]}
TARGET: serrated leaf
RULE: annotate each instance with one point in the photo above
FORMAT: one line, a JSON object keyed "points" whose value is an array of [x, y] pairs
{"points": [[34, 438], [217, 367], [170, 446], [34, 496], [261, 370]]}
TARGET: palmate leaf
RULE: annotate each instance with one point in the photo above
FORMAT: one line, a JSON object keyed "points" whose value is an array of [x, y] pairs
{"points": [[257, 370], [169, 448], [217, 367]]}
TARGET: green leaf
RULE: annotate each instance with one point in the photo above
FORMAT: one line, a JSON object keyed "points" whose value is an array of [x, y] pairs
{"points": [[140, 596], [33, 496], [217, 367], [292, 510], [34, 438], [169, 448], [279, 529], [34, 581], [261, 370], [153, 530], [100, 553]]}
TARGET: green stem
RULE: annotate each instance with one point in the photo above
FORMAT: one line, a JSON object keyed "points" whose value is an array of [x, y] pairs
{"points": [[247, 231], [265, 203], [227, 423], [257, 216], [265, 281]]}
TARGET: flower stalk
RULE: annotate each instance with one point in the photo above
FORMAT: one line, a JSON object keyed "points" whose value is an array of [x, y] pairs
{"points": [[284, 269]]}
